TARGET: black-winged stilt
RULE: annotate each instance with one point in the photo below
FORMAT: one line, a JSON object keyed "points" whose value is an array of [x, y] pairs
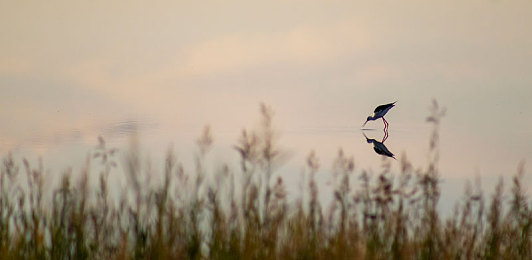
{"points": [[379, 147], [379, 112]]}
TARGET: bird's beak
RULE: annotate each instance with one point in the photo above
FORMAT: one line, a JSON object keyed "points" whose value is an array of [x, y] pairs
{"points": [[364, 123]]}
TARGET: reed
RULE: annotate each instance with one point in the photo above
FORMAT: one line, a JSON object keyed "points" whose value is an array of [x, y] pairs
{"points": [[243, 212]]}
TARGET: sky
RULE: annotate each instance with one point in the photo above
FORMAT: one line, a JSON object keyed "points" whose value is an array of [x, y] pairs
{"points": [[73, 71]]}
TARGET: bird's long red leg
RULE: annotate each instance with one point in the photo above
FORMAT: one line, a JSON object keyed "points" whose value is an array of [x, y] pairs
{"points": [[385, 123], [385, 135]]}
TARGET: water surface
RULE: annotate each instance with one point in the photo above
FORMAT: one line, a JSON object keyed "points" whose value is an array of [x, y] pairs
{"points": [[163, 71]]}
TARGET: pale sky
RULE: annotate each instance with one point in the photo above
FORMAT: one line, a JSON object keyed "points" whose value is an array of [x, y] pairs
{"points": [[67, 65]]}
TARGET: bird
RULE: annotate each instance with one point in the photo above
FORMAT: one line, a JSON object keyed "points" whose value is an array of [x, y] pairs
{"points": [[379, 147], [379, 112]]}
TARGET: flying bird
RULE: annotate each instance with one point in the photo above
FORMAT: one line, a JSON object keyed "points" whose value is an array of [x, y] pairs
{"points": [[379, 112]]}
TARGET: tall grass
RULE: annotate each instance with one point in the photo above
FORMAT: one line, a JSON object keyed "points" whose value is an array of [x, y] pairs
{"points": [[243, 213]]}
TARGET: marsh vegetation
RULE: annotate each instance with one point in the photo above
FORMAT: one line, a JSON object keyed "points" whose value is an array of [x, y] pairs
{"points": [[243, 211]]}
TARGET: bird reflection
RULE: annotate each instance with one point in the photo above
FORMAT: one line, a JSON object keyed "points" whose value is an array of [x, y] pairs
{"points": [[379, 147]]}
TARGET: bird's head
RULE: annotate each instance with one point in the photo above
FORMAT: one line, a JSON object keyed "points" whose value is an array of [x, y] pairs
{"points": [[367, 119], [367, 139]]}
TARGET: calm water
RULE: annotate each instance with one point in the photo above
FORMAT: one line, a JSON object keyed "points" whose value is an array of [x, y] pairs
{"points": [[462, 159], [163, 71]]}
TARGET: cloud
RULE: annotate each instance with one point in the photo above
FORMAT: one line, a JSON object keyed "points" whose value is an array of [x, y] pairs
{"points": [[167, 86], [304, 44]]}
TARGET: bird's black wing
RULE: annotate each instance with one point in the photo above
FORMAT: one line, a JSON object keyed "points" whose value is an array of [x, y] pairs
{"points": [[384, 107], [381, 149]]}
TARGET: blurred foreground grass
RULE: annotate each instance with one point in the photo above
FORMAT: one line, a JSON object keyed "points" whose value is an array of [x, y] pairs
{"points": [[244, 213]]}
